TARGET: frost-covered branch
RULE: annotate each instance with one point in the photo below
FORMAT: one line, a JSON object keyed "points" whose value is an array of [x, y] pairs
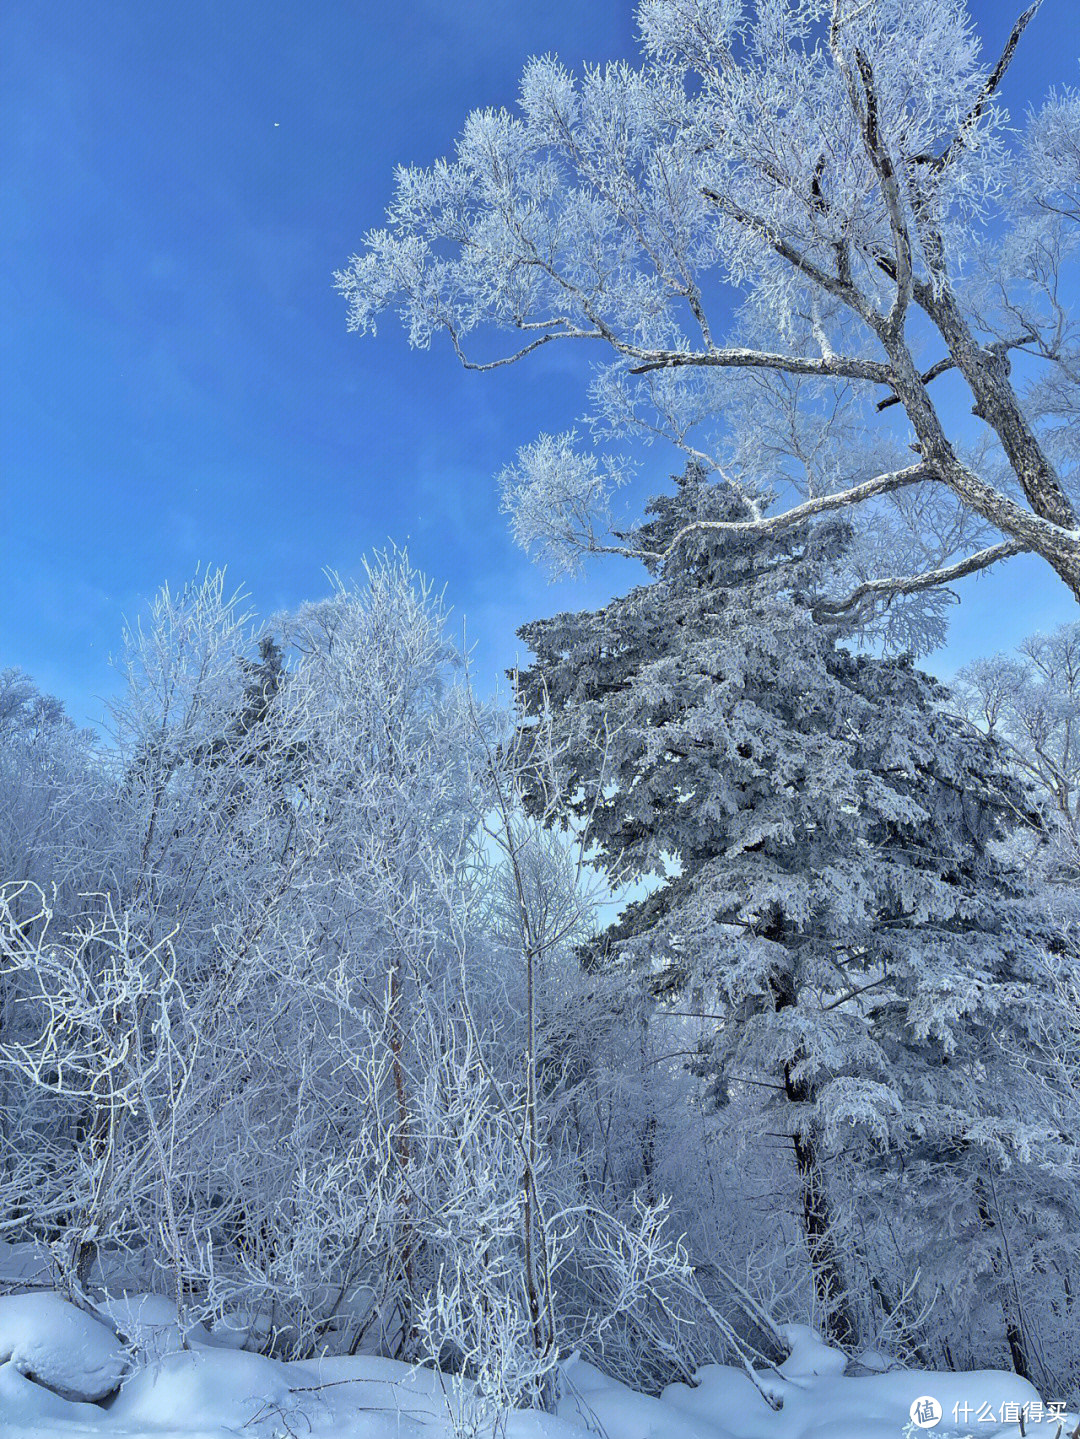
{"points": [[847, 172], [887, 588]]}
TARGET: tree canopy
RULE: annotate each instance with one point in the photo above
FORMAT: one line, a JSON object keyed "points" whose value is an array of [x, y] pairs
{"points": [[778, 234]]}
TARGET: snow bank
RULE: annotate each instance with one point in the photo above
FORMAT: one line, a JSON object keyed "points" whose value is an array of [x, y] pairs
{"points": [[220, 1393], [27, 1409], [831, 1405], [227, 1387], [56, 1345], [228, 1392]]}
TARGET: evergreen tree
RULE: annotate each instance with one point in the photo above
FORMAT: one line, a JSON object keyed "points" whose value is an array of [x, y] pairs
{"points": [[840, 895]]}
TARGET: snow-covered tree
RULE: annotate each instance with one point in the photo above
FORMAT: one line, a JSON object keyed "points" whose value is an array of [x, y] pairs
{"points": [[314, 1055], [52, 777], [1031, 702], [822, 835], [840, 176], [54, 787]]}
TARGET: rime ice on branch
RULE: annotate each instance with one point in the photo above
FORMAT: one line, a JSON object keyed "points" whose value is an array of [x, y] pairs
{"points": [[839, 175]]}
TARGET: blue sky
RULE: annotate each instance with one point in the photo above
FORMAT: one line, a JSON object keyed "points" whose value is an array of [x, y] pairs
{"points": [[177, 185]]}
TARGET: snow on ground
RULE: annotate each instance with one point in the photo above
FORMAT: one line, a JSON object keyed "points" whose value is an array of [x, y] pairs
{"points": [[209, 1392], [26, 1263], [63, 1349]]}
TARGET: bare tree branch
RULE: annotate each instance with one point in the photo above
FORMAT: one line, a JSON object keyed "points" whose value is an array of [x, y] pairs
{"points": [[843, 289], [820, 504], [520, 354], [882, 163], [993, 81], [1000, 347], [889, 588], [829, 366]]}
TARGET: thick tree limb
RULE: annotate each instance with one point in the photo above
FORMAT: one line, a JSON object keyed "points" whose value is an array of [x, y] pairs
{"points": [[986, 370], [882, 162], [820, 504], [999, 347], [889, 588], [829, 366], [931, 374]]}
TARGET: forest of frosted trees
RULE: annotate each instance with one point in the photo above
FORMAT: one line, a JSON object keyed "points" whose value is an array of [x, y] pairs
{"points": [[315, 1019]]}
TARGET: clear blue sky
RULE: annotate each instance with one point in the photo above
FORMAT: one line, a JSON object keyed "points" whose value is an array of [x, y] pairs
{"points": [[177, 185]]}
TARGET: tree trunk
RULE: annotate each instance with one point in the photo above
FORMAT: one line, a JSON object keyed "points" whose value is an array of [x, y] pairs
{"points": [[1049, 527], [651, 1128], [1014, 1327], [829, 1283], [96, 1133]]}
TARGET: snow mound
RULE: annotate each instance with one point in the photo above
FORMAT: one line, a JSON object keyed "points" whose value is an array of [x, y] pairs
{"points": [[720, 1394], [810, 1357], [230, 1387], [595, 1402], [875, 1361], [51, 1342], [27, 1408], [872, 1406]]}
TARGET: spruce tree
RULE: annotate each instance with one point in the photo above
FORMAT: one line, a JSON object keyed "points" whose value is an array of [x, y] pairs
{"points": [[841, 895]]}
